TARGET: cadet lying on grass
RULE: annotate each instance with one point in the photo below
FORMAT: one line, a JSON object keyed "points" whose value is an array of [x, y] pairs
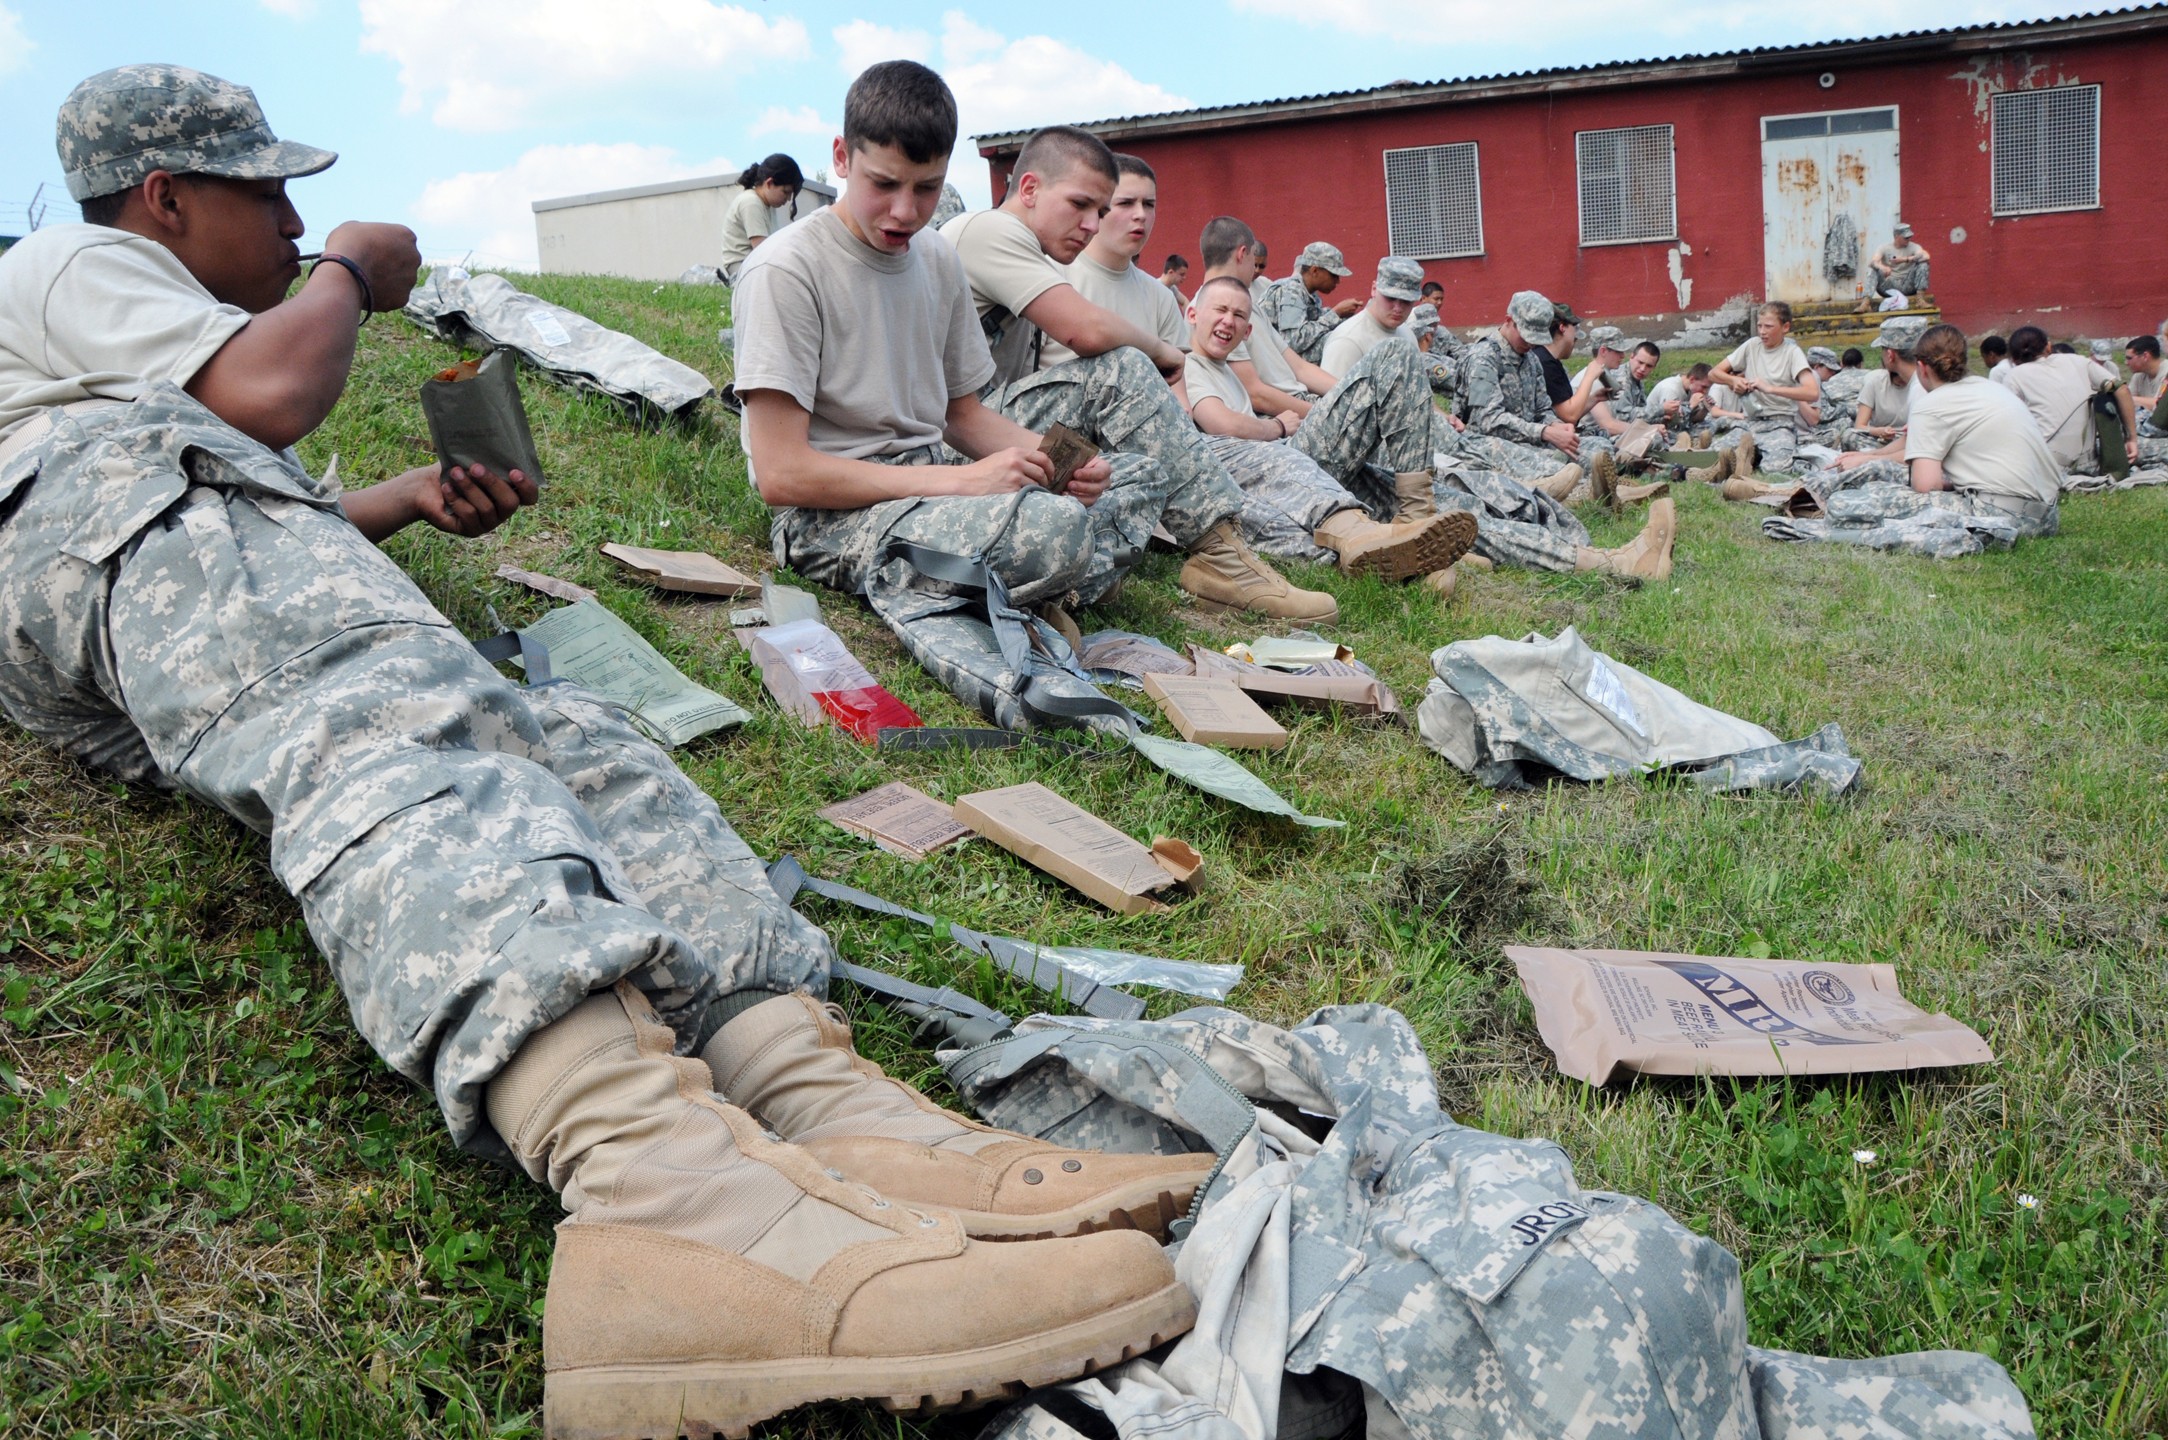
{"points": [[529, 908]]}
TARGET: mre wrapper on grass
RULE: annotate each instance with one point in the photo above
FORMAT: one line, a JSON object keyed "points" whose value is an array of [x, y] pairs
{"points": [[1077, 847], [690, 572], [1610, 1013], [1210, 711], [900, 819]]}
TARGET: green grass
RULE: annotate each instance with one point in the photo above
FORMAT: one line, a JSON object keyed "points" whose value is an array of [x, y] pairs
{"points": [[221, 1216]]}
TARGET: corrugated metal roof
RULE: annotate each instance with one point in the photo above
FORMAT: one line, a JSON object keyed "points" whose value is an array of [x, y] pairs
{"points": [[1411, 91]]}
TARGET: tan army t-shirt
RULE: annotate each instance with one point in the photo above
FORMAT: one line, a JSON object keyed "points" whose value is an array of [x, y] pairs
{"points": [[1129, 293], [873, 345], [1350, 340], [1984, 438], [1781, 366], [1267, 350], [1008, 269], [749, 218], [1207, 379], [88, 312], [2058, 389], [1887, 402]]}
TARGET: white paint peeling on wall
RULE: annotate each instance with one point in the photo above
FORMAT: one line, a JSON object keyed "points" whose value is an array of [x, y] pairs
{"points": [[1988, 76], [1675, 262]]}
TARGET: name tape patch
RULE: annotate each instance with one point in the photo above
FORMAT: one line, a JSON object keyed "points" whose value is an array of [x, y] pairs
{"points": [[1539, 1224]]}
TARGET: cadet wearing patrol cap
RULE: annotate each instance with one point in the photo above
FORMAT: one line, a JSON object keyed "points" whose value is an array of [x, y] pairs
{"points": [[1293, 304], [1901, 266], [182, 602], [1882, 406], [1392, 298], [1840, 395]]}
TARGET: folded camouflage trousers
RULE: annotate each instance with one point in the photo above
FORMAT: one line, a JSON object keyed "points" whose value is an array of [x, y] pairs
{"points": [[179, 604]]}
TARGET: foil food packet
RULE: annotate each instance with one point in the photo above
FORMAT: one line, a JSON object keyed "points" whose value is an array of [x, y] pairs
{"points": [[476, 418]]}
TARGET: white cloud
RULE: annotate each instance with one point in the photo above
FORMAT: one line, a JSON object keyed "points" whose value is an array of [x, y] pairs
{"points": [[491, 64], [489, 212], [861, 43], [805, 120], [15, 46], [1005, 84]]}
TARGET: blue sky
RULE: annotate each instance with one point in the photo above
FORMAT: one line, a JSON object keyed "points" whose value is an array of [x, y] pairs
{"points": [[451, 115]]}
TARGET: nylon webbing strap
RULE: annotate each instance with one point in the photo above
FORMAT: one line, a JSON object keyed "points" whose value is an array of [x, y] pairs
{"points": [[1026, 962], [955, 1015], [533, 655], [971, 572]]}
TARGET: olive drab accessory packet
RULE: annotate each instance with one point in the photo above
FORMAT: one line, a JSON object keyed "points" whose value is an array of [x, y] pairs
{"points": [[1606, 1014], [475, 416]]}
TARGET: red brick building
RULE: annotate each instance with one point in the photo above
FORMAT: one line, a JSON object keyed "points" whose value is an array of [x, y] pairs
{"points": [[2028, 157]]}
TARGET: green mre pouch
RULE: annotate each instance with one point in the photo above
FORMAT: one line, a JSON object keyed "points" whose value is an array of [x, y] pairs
{"points": [[2108, 427], [475, 416]]}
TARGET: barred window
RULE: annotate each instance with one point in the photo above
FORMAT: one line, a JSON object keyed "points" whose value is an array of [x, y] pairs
{"points": [[2047, 150], [1627, 185], [1434, 201]]}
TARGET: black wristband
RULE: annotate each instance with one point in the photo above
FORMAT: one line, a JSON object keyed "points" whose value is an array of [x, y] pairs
{"points": [[368, 296]]}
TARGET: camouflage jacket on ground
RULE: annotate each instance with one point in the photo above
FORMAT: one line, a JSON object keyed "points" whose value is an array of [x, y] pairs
{"points": [[1358, 1248]]}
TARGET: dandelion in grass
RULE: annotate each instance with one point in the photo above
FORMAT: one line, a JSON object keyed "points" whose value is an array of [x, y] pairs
{"points": [[2028, 1202], [1865, 1157]]}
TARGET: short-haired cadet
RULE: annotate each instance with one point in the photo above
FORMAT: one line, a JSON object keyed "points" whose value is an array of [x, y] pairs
{"points": [[1841, 385], [1770, 375], [530, 909], [1392, 299], [1116, 391], [1296, 305], [1374, 430], [1898, 268], [1512, 427], [1974, 462], [1293, 508], [2143, 356]]}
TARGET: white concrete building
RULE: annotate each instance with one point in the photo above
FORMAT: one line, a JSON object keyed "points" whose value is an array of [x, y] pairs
{"points": [[645, 232]]}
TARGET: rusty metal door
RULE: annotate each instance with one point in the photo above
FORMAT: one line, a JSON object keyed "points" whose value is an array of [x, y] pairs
{"points": [[1826, 180]]}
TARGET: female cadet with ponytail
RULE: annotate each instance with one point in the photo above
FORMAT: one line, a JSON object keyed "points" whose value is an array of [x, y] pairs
{"points": [[769, 186]]}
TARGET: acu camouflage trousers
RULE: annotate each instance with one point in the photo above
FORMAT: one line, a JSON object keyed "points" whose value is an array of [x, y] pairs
{"points": [[179, 604], [1119, 402], [1776, 439], [1514, 524]]}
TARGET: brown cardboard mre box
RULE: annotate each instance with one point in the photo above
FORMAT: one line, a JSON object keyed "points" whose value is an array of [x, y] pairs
{"points": [[1075, 846], [1212, 711]]}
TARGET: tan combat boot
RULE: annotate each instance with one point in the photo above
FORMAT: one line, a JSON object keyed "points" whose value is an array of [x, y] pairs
{"points": [[1603, 477], [1626, 495], [1559, 484], [1397, 551], [1478, 563], [709, 1277], [1416, 493], [1744, 456], [1647, 556], [1223, 573], [1740, 488], [1715, 474], [791, 1063], [1442, 583]]}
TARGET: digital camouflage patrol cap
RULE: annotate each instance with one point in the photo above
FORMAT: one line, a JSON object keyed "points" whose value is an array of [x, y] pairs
{"points": [[1400, 278], [120, 125], [1823, 355], [1899, 334], [1322, 256], [1531, 314], [1422, 320]]}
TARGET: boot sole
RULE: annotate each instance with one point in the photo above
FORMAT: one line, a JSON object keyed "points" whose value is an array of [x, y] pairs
{"points": [[1150, 1206], [1231, 607], [727, 1399], [1434, 549]]}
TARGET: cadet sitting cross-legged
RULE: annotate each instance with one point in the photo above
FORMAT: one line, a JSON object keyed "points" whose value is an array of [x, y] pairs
{"points": [[529, 908]]}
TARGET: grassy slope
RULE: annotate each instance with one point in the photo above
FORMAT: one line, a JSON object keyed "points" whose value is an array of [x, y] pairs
{"points": [[220, 1215]]}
